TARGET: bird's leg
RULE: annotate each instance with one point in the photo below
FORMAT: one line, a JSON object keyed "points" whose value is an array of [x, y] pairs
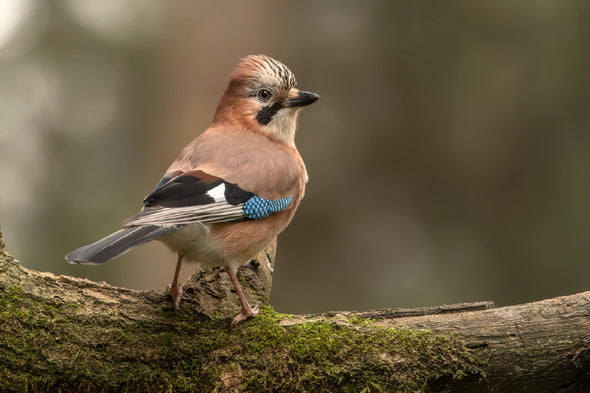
{"points": [[175, 289], [247, 311]]}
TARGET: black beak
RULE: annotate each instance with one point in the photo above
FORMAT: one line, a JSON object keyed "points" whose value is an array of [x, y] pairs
{"points": [[303, 99]]}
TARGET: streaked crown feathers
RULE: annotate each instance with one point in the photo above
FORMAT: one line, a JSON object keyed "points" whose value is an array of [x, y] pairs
{"points": [[265, 69]]}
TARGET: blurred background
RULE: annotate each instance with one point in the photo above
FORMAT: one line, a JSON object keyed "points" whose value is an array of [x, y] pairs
{"points": [[449, 154]]}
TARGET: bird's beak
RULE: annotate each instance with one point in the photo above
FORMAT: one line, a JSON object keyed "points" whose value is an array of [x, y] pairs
{"points": [[303, 98]]}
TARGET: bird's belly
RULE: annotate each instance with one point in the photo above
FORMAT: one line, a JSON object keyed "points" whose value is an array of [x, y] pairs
{"points": [[195, 242]]}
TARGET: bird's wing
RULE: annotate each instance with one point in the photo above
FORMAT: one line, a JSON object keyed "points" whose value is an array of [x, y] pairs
{"points": [[196, 196]]}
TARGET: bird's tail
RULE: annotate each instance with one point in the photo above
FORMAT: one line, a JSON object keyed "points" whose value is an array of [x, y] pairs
{"points": [[117, 243]]}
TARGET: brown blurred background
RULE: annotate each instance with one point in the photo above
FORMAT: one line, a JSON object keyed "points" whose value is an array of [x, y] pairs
{"points": [[449, 155]]}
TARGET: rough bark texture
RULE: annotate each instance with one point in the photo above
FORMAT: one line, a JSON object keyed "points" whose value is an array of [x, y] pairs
{"points": [[66, 334]]}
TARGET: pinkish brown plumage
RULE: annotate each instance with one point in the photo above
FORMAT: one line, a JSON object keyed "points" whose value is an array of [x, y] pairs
{"points": [[232, 189]]}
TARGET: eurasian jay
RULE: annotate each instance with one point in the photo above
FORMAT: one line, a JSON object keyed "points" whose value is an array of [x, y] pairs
{"points": [[232, 189]]}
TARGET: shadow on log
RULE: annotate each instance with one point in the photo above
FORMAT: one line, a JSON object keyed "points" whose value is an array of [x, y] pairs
{"points": [[66, 334]]}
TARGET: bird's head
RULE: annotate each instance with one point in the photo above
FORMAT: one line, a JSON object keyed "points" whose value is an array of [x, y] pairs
{"points": [[262, 96]]}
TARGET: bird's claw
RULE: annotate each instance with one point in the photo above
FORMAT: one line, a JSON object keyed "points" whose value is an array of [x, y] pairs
{"points": [[175, 293], [245, 314]]}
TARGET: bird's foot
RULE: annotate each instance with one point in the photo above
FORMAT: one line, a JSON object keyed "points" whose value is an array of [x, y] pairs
{"points": [[175, 292], [246, 313]]}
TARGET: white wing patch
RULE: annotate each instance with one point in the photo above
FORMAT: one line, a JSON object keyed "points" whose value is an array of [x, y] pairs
{"points": [[217, 193]]}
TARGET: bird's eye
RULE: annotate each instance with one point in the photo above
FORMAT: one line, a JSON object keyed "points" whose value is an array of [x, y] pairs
{"points": [[263, 95]]}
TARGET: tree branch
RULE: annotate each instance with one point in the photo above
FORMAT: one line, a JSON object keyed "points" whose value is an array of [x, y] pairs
{"points": [[59, 332]]}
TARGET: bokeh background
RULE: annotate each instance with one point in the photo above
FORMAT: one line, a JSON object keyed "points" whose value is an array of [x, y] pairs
{"points": [[449, 155]]}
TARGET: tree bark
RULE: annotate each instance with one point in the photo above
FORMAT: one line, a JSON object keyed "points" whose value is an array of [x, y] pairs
{"points": [[60, 333]]}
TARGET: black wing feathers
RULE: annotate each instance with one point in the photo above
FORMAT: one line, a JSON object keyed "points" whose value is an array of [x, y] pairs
{"points": [[234, 195], [190, 189], [187, 189]]}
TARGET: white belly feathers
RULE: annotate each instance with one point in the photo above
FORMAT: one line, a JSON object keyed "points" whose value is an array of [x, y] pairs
{"points": [[194, 241]]}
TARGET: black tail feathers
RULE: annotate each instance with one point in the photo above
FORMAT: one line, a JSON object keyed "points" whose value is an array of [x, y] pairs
{"points": [[117, 243]]}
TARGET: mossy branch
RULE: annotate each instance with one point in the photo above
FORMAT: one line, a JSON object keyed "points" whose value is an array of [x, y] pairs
{"points": [[66, 334]]}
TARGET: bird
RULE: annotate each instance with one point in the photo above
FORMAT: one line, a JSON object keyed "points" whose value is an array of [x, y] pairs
{"points": [[232, 189]]}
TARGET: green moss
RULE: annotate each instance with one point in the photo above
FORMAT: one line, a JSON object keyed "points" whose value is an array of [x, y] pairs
{"points": [[361, 356]]}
